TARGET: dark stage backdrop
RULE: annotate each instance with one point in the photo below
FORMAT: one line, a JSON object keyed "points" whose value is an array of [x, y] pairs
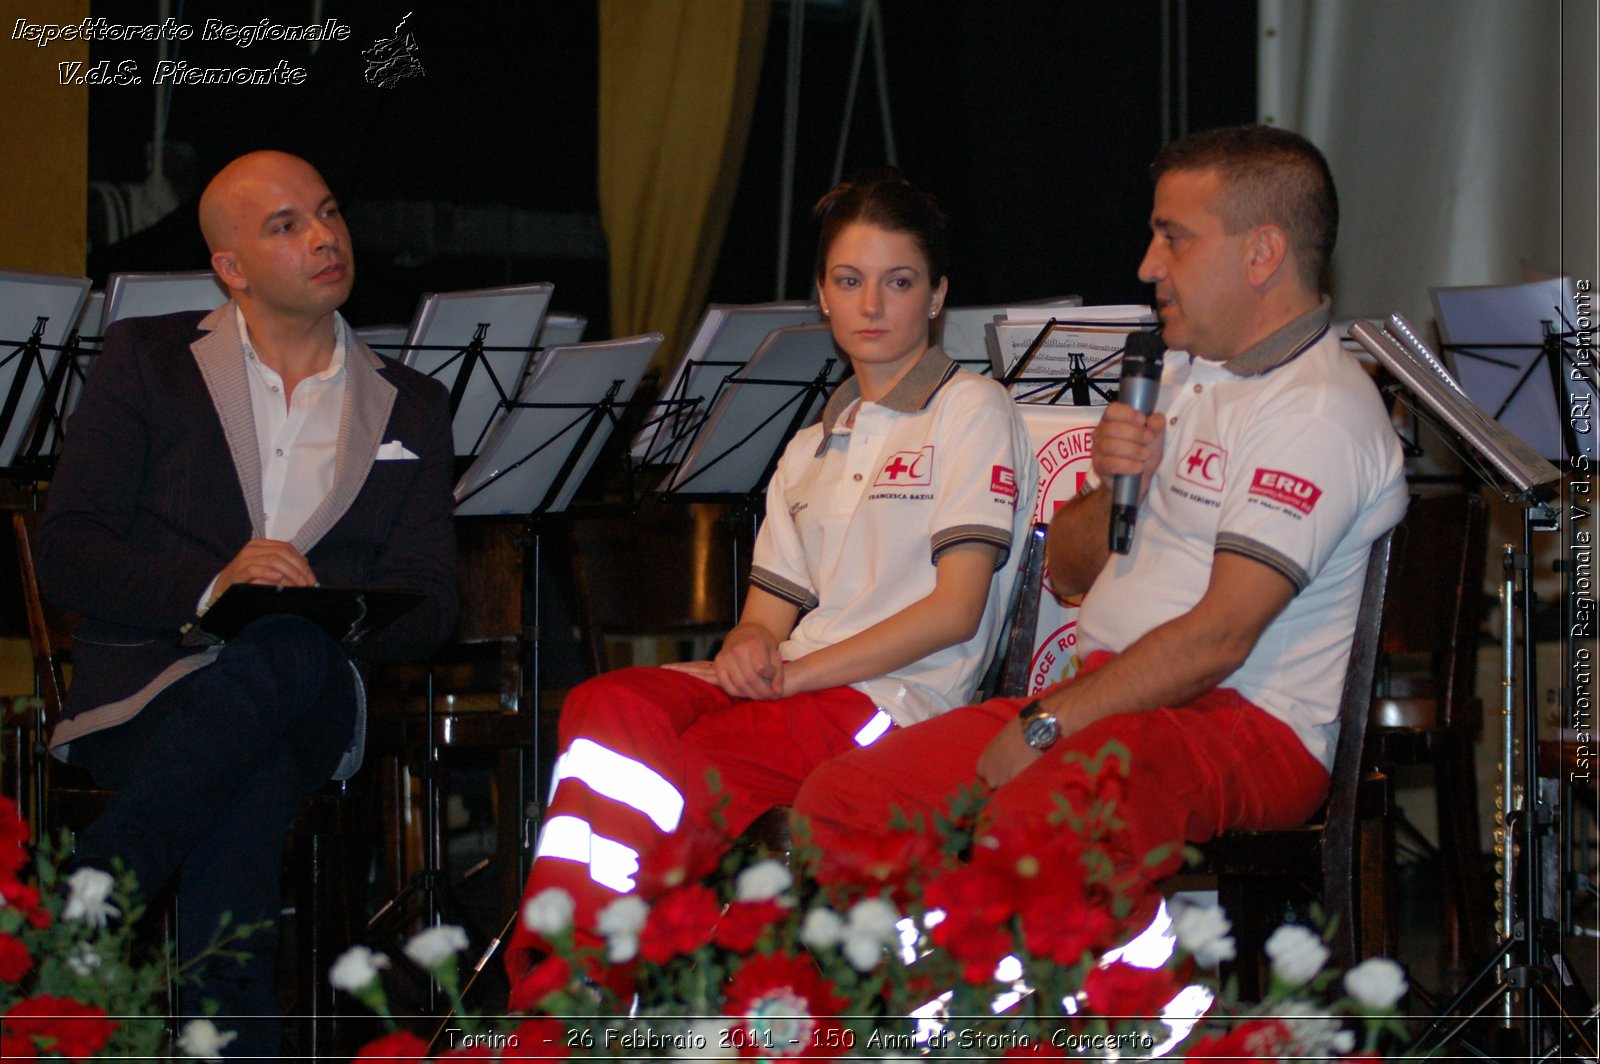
{"points": [[1034, 121]]}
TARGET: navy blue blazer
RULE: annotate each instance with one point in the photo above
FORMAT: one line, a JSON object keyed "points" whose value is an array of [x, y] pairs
{"points": [[159, 486]]}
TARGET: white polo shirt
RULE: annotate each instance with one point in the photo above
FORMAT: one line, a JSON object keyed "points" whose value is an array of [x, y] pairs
{"points": [[1284, 455], [857, 516]]}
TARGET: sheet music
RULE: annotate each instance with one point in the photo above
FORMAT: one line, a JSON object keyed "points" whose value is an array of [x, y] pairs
{"points": [[726, 338], [750, 422], [24, 299], [1091, 336], [524, 453], [448, 321]]}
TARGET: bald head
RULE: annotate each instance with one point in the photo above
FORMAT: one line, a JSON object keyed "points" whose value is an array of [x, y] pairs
{"points": [[278, 241], [221, 213]]}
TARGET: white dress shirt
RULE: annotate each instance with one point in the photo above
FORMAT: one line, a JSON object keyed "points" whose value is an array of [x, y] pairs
{"points": [[298, 439]]}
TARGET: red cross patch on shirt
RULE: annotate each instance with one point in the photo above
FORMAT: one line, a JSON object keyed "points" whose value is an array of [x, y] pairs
{"points": [[907, 469]]}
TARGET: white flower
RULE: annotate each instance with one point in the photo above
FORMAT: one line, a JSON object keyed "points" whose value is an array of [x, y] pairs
{"points": [[90, 887], [548, 912], [356, 969], [1313, 1034], [876, 917], [1377, 983], [1203, 931], [625, 916], [202, 1040], [862, 951], [1297, 954], [762, 881], [620, 923], [622, 948], [822, 928], [435, 945], [83, 960]]}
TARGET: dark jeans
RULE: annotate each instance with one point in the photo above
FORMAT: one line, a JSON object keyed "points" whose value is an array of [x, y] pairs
{"points": [[208, 778]]}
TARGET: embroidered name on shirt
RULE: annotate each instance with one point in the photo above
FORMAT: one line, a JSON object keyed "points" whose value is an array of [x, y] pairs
{"points": [[1286, 489], [907, 469], [1206, 465]]}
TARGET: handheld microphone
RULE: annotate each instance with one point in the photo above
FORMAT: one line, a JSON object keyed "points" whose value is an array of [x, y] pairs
{"points": [[1141, 381]]}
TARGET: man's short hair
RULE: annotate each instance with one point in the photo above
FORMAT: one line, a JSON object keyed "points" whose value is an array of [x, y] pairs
{"points": [[1269, 177]]}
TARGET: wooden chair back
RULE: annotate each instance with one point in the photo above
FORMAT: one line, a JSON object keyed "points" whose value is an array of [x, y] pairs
{"points": [[1013, 655], [1341, 859], [1345, 854], [49, 629]]}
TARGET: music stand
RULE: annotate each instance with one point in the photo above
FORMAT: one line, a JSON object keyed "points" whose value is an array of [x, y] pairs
{"points": [[754, 412], [1079, 359], [531, 465], [1509, 346], [384, 339], [538, 455], [725, 339], [37, 313], [145, 295], [479, 344], [966, 334], [561, 329], [1529, 957]]}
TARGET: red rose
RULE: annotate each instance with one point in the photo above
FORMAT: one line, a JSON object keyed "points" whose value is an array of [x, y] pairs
{"points": [[877, 859], [25, 900], [686, 856], [17, 1047], [15, 960], [1121, 989], [61, 1025], [978, 945], [744, 921], [681, 922], [540, 1038], [973, 892], [543, 979], [1255, 1040], [1063, 931], [782, 997], [398, 1045]]}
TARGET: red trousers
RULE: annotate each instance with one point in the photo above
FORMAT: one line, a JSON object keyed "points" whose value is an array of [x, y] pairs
{"points": [[1214, 764], [637, 747]]}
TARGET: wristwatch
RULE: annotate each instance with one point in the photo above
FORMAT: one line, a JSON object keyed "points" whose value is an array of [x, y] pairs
{"points": [[1039, 727]]}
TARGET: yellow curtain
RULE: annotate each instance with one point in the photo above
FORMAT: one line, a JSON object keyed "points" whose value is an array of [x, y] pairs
{"points": [[44, 126], [677, 86]]}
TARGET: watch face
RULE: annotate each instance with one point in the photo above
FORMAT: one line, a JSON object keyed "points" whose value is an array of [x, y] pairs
{"points": [[1040, 730]]}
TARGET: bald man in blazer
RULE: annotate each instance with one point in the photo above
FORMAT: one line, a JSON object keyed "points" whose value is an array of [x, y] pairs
{"points": [[260, 443]]}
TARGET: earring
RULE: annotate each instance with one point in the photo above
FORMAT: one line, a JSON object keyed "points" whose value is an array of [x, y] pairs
{"points": [[934, 313]]}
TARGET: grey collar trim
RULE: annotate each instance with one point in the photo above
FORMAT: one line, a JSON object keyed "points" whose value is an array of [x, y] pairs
{"points": [[914, 392], [1283, 346]]}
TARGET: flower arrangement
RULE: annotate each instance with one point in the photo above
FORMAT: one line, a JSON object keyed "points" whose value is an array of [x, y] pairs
{"points": [[75, 981], [989, 942]]}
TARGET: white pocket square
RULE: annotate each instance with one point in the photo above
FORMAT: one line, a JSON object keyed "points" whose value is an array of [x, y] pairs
{"points": [[393, 451]]}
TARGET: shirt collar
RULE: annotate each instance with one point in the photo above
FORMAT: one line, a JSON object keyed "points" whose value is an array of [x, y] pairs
{"points": [[341, 340], [913, 392], [1286, 344]]}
